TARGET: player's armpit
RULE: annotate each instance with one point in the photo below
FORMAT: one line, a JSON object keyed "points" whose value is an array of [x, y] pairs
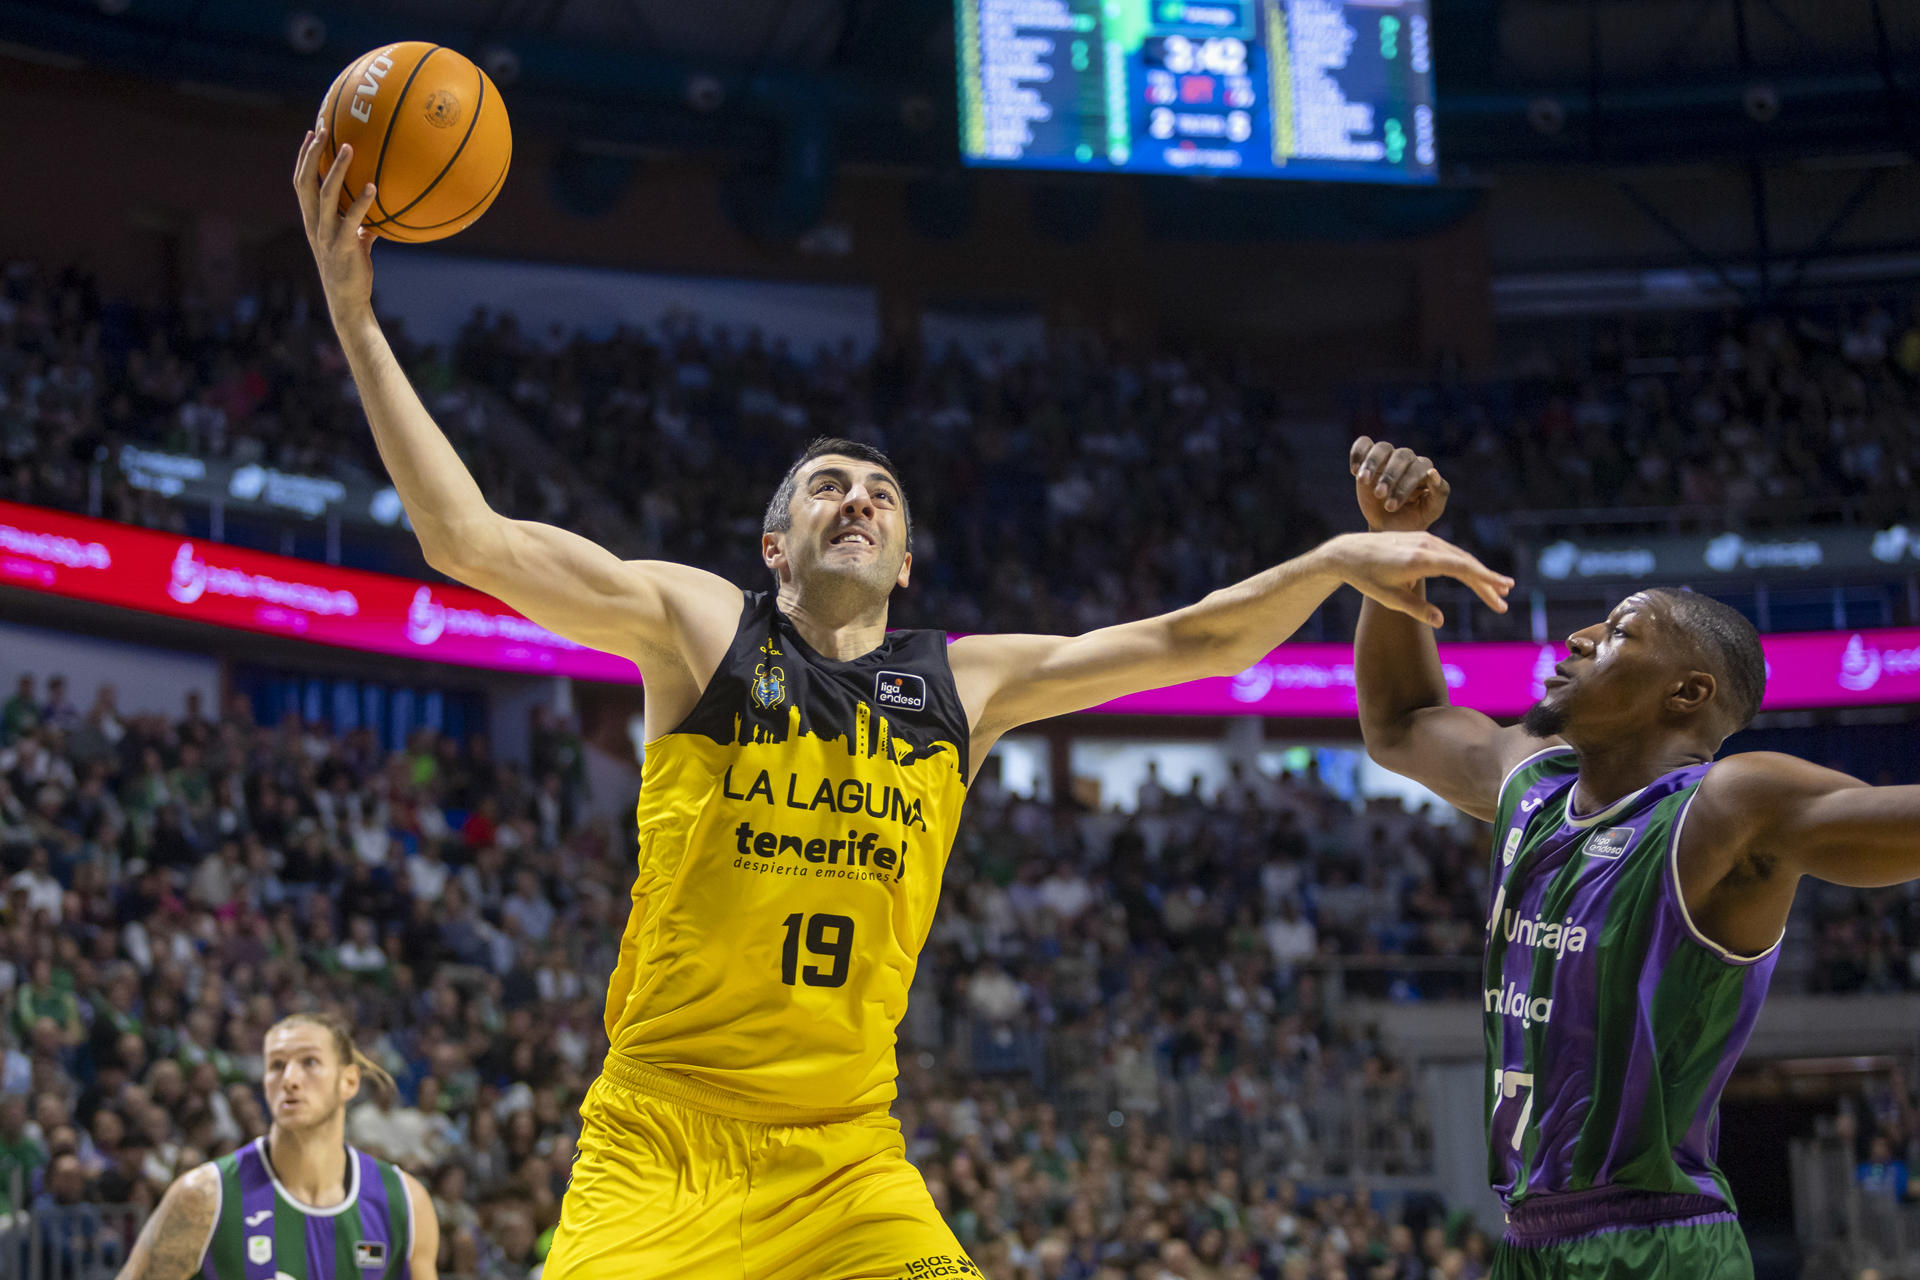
{"points": [[1800, 819], [173, 1244]]}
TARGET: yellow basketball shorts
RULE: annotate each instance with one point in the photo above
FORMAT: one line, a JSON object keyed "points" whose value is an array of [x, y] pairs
{"points": [[669, 1189]]}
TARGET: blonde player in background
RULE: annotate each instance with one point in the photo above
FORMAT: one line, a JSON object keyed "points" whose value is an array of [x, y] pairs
{"points": [[299, 1202], [804, 774]]}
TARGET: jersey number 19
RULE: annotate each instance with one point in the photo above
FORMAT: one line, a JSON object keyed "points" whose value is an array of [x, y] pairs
{"points": [[829, 937]]}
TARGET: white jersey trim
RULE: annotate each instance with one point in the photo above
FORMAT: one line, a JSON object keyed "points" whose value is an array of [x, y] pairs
{"points": [[1680, 898], [1500, 796], [1579, 823], [312, 1211]]}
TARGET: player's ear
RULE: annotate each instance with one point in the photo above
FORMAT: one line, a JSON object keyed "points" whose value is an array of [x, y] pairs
{"points": [[1692, 692], [773, 553], [906, 570]]}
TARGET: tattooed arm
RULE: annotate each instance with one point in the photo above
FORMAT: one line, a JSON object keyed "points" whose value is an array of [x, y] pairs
{"points": [[174, 1241]]}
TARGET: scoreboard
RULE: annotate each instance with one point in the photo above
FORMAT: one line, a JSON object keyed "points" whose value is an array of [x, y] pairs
{"points": [[1329, 89]]}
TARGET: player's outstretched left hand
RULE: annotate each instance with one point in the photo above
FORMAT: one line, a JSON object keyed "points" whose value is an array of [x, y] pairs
{"points": [[1387, 567]]}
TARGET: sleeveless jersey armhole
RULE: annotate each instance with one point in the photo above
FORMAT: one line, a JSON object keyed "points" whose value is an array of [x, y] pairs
{"points": [[1679, 897], [749, 600], [1501, 808]]}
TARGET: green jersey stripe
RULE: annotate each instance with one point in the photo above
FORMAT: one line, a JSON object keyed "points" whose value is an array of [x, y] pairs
{"points": [[226, 1249]]}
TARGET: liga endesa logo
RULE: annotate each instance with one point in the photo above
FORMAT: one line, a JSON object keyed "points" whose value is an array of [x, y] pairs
{"points": [[191, 577]]}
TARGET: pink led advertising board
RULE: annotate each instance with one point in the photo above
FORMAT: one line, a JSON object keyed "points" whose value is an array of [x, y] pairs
{"points": [[163, 573]]}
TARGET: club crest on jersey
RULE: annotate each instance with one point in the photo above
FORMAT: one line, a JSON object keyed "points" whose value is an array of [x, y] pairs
{"points": [[769, 688], [1610, 843], [259, 1250], [901, 690], [1512, 847], [370, 1253]]}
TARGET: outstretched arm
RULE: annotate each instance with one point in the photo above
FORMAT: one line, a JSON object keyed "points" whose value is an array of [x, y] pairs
{"points": [[672, 620], [1762, 820], [174, 1242], [1408, 722], [1010, 680]]}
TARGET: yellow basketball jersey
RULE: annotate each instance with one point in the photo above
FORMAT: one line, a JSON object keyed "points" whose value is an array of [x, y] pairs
{"points": [[793, 833]]}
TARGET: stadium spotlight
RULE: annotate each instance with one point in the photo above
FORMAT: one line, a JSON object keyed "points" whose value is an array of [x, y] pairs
{"points": [[1762, 102], [502, 64], [705, 93], [306, 32], [1548, 116]]}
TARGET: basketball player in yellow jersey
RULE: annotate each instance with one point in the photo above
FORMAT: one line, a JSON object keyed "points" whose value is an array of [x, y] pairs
{"points": [[804, 774]]}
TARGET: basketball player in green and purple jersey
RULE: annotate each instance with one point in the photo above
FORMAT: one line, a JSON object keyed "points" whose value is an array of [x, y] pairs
{"points": [[1639, 891], [298, 1204]]}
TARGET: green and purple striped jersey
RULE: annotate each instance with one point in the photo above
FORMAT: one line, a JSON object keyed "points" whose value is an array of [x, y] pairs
{"points": [[1612, 1023], [265, 1234]]}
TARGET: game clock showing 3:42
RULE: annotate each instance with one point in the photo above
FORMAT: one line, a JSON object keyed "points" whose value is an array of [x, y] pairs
{"points": [[1327, 89]]}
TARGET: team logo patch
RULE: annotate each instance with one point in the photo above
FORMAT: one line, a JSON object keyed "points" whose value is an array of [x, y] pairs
{"points": [[901, 690], [370, 1253], [260, 1250], [769, 686], [1513, 846], [1610, 843]]}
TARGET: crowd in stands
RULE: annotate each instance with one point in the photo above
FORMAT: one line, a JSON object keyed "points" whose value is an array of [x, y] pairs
{"points": [[1124, 1047], [1103, 1062], [1785, 418], [262, 381], [1014, 465]]}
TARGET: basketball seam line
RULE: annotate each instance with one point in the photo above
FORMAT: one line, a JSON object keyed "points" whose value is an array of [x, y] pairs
{"points": [[434, 226], [333, 116], [392, 117], [473, 121]]}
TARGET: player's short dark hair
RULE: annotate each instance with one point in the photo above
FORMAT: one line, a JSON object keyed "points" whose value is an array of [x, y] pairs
{"points": [[1729, 642], [779, 517]]}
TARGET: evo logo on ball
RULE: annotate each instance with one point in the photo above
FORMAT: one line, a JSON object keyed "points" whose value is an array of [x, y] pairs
{"points": [[372, 75]]}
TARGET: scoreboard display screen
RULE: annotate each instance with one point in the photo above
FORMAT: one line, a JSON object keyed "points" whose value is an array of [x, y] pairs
{"points": [[1329, 89]]}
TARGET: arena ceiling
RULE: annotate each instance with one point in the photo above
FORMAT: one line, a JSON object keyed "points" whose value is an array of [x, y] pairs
{"points": [[1520, 81]]}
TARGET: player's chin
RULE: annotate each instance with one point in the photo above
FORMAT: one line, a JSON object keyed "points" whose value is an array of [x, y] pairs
{"points": [[1546, 718]]}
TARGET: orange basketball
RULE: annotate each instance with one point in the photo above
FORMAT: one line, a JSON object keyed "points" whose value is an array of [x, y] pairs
{"points": [[428, 129]]}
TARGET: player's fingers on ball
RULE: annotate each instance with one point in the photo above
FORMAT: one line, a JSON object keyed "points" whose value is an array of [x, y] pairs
{"points": [[300, 158], [336, 178], [358, 211], [1357, 454]]}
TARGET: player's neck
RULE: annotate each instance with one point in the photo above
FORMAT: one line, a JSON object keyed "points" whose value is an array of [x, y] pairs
{"points": [[310, 1163], [840, 628], [1619, 768]]}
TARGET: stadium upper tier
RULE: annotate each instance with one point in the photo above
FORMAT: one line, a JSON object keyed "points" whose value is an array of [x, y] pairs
{"points": [[1056, 491]]}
